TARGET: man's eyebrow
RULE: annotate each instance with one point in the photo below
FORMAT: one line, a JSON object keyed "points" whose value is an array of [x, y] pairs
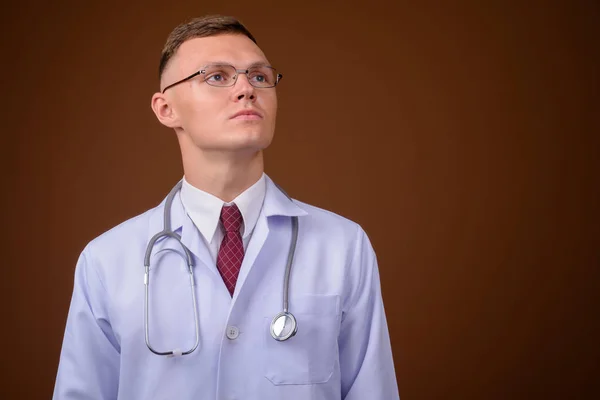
{"points": [[258, 64], [254, 64]]}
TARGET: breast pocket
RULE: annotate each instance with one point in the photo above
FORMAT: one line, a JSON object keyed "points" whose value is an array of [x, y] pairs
{"points": [[309, 357]]}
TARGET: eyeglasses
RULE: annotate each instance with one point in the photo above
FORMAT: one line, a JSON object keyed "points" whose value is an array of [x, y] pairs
{"points": [[261, 76]]}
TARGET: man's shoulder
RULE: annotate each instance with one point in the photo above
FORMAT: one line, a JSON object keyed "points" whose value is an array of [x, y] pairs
{"points": [[326, 220], [125, 233], [330, 228]]}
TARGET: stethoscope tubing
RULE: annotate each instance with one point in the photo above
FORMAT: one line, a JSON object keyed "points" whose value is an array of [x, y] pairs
{"points": [[168, 232]]}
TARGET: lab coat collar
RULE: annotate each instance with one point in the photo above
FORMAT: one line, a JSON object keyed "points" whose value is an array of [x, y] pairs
{"points": [[277, 203], [156, 223]]}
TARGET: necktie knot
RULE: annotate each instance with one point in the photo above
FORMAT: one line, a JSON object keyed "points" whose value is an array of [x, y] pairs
{"points": [[231, 218]]}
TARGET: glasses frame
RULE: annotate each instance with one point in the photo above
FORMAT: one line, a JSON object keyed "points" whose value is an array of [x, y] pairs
{"points": [[237, 72]]}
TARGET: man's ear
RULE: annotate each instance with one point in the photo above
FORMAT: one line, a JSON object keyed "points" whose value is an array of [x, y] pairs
{"points": [[164, 111]]}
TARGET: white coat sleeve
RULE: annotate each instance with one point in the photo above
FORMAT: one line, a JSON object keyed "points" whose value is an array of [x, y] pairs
{"points": [[89, 359], [366, 363]]}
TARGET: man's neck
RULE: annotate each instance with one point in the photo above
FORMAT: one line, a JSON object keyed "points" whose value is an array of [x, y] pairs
{"points": [[223, 175]]}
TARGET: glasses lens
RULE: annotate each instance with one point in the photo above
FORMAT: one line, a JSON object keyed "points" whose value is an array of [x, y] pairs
{"points": [[262, 76], [219, 75]]}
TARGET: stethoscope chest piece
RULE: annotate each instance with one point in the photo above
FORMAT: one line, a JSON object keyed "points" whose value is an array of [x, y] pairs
{"points": [[283, 326]]}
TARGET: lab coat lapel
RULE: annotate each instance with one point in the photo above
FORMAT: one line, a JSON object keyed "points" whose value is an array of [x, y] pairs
{"points": [[261, 231], [276, 203]]}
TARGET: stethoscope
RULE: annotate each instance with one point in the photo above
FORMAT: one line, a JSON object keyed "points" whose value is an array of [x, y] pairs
{"points": [[283, 325]]}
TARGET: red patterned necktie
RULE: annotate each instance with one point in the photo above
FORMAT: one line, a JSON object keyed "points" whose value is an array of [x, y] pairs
{"points": [[231, 252]]}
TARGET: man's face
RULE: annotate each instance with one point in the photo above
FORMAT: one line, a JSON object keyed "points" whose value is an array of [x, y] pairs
{"points": [[204, 115]]}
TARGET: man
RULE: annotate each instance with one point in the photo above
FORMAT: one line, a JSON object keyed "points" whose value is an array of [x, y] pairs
{"points": [[238, 233]]}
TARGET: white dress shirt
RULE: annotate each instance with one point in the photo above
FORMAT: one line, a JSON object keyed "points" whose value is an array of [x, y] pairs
{"points": [[204, 210]]}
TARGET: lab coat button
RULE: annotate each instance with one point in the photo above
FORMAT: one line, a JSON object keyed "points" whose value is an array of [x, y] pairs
{"points": [[233, 332]]}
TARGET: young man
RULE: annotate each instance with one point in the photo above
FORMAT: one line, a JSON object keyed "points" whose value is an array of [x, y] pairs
{"points": [[215, 314]]}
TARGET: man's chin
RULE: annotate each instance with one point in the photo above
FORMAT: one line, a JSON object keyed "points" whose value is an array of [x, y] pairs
{"points": [[242, 141], [249, 141], [244, 146]]}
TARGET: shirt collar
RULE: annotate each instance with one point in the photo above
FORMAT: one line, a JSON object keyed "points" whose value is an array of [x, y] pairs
{"points": [[276, 203], [205, 209]]}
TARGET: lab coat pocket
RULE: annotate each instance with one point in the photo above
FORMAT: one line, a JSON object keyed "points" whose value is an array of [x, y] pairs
{"points": [[309, 357]]}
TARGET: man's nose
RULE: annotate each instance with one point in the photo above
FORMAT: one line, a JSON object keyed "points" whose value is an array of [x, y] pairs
{"points": [[243, 87]]}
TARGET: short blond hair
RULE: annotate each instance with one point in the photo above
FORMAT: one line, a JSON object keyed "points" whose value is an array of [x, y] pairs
{"points": [[210, 25]]}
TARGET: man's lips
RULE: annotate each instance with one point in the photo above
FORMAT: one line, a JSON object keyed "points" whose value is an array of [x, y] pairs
{"points": [[247, 114]]}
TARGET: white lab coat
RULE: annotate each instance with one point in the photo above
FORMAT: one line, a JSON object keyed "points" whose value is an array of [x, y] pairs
{"points": [[341, 351]]}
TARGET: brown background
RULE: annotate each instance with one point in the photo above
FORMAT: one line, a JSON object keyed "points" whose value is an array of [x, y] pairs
{"points": [[461, 136]]}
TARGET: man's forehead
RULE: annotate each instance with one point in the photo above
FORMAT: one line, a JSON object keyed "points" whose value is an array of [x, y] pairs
{"points": [[235, 49]]}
